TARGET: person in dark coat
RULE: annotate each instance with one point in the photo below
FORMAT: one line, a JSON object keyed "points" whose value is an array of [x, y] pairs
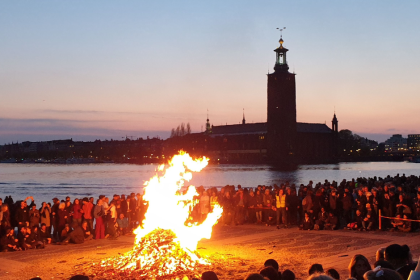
{"points": [[62, 215], [76, 236], [45, 234], [54, 219], [332, 222], [252, 204], [322, 218], [228, 209], [22, 236], [22, 215], [293, 205], [347, 201], [307, 223], [124, 205], [8, 242]]}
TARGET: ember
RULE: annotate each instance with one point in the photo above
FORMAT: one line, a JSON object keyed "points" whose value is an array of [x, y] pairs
{"points": [[166, 243]]}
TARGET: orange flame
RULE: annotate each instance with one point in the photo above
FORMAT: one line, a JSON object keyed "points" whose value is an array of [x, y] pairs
{"points": [[165, 234], [169, 209]]}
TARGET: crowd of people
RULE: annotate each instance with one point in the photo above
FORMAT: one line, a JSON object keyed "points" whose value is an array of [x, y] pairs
{"points": [[354, 204], [65, 221]]}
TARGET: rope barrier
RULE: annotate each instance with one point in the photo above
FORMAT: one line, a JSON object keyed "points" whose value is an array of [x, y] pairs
{"points": [[393, 218]]}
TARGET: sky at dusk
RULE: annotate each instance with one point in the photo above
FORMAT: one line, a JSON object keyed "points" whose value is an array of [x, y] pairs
{"points": [[105, 69]]}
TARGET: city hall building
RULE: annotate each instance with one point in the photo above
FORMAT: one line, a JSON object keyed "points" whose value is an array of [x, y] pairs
{"points": [[280, 140]]}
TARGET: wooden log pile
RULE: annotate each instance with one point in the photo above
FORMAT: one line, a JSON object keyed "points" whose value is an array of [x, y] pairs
{"points": [[157, 256]]}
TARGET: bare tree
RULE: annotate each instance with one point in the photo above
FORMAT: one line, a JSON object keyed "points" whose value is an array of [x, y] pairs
{"points": [[181, 130]]}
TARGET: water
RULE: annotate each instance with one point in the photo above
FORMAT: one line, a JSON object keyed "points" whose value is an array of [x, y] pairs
{"points": [[46, 181]]}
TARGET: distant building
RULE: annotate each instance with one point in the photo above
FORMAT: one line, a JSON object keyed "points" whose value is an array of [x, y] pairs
{"points": [[281, 139], [413, 142], [396, 143]]}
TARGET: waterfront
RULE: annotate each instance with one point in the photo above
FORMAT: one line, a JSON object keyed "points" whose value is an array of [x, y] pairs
{"points": [[45, 181]]}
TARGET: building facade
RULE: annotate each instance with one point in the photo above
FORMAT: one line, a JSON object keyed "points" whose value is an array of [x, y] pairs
{"points": [[413, 142]]}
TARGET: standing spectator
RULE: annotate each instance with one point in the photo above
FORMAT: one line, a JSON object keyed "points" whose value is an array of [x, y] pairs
{"points": [[259, 201], [77, 211], [45, 214], [307, 203], [267, 203], [87, 212], [139, 208], [281, 208], [111, 221], [129, 209], [333, 202], [34, 217], [123, 205], [54, 218], [252, 203], [347, 205], [292, 202], [62, 217], [227, 209], [5, 222], [22, 216], [133, 212], [98, 213], [69, 208]]}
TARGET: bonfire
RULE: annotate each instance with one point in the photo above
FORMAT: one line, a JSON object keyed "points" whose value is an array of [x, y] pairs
{"points": [[166, 243]]}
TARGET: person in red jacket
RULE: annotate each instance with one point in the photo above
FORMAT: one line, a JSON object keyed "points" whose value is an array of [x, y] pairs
{"points": [[87, 212], [77, 212]]}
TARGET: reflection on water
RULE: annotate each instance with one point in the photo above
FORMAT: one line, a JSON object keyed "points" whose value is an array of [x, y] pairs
{"points": [[47, 181]]}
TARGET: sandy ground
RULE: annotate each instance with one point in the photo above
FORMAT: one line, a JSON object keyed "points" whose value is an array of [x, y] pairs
{"points": [[237, 251]]}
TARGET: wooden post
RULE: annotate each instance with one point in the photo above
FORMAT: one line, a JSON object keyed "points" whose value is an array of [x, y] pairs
{"points": [[380, 220]]}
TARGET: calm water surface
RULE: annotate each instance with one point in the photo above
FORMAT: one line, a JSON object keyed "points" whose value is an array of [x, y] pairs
{"points": [[45, 181]]}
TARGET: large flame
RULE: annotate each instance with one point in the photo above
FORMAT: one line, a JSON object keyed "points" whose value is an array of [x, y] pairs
{"points": [[169, 209], [166, 243]]}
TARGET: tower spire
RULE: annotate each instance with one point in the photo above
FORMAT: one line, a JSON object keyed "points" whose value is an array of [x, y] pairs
{"points": [[243, 115], [281, 62], [208, 126]]}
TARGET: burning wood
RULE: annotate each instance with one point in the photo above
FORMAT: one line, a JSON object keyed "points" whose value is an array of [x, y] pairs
{"points": [[166, 244], [157, 256]]}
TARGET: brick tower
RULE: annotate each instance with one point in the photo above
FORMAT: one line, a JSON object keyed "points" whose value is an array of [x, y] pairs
{"points": [[281, 110]]}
